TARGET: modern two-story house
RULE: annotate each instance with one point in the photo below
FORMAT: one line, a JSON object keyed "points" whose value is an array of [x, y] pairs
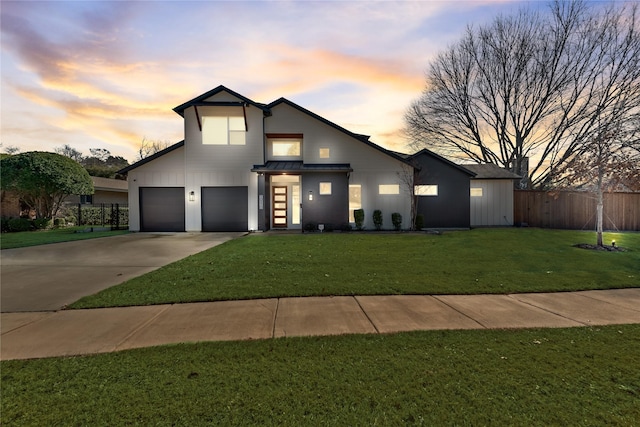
{"points": [[245, 165]]}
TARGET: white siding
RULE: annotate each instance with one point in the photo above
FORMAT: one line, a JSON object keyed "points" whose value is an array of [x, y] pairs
{"points": [[222, 165], [371, 166], [495, 207], [165, 171]]}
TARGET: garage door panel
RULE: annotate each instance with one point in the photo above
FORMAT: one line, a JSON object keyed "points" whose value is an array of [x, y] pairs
{"points": [[225, 208], [162, 209]]}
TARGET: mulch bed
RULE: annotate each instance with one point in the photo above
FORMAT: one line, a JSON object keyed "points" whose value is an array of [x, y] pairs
{"points": [[599, 248]]}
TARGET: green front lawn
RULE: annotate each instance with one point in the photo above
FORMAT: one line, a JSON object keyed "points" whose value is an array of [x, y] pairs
{"points": [[464, 262], [538, 377], [43, 237]]}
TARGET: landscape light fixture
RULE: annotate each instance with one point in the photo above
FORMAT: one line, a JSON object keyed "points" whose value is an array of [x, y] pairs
{"points": [[613, 243], [192, 196]]}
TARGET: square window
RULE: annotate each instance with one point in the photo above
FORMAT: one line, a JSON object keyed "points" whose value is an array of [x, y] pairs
{"points": [[222, 130], [389, 189], [325, 188], [425, 190], [324, 153], [476, 192]]}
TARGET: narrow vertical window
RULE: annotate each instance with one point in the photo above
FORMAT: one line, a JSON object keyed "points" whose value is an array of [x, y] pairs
{"points": [[355, 200]]}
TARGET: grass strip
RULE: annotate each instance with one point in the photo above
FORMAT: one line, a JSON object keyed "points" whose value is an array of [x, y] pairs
{"points": [[576, 376], [44, 237], [466, 262]]}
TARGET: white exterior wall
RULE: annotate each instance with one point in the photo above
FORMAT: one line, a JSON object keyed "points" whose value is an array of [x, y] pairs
{"points": [[371, 167], [222, 165], [495, 207], [165, 171]]}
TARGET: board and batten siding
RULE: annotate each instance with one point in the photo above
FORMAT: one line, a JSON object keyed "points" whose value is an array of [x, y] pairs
{"points": [[222, 165], [495, 207], [165, 171], [371, 167]]}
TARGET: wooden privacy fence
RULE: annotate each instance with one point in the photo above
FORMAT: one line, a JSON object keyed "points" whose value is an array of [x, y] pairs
{"points": [[576, 210]]}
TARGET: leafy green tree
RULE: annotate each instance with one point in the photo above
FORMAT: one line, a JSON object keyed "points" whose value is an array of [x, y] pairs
{"points": [[43, 180]]}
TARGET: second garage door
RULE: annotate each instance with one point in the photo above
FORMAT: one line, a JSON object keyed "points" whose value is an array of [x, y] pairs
{"points": [[225, 208]]}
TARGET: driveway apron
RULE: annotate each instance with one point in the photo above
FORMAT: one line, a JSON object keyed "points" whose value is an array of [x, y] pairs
{"points": [[49, 277]]}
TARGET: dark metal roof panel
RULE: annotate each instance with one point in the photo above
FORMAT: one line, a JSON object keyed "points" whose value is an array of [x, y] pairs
{"points": [[491, 171], [200, 100], [300, 167]]}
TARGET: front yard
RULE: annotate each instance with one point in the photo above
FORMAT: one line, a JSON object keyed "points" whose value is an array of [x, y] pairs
{"points": [[44, 237], [464, 262]]}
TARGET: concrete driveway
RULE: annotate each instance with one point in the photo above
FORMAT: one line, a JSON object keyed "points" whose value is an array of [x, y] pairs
{"points": [[48, 277]]}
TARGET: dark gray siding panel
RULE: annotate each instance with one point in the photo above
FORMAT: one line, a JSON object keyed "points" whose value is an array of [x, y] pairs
{"points": [[450, 208], [225, 208], [331, 210], [162, 209]]}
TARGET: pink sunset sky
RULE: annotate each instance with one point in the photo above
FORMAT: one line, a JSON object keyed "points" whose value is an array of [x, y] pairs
{"points": [[107, 74]]}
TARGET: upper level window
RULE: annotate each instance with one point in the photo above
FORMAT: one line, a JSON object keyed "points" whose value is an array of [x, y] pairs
{"points": [[476, 192], [221, 130], [324, 153], [286, 148]]}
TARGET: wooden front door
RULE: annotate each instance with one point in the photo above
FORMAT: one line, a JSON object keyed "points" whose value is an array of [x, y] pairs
{"points": [[279, 203]]}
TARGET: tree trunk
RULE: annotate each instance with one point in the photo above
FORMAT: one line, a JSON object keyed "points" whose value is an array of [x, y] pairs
{"points": [[599, 210]]}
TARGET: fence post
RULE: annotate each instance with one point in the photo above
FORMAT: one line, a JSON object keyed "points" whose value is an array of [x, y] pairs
{"points": [[79, 214]]}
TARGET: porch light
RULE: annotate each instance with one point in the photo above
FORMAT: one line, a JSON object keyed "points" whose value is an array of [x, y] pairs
{"points": [[192, 196], [310, 195]]}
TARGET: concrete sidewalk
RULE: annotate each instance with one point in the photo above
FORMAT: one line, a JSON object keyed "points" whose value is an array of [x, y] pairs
{"points": [[78, 332]]}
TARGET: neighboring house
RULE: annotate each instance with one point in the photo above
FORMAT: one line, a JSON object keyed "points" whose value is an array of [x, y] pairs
{"points": [[244, 166], [491, 195], [106, 190]]}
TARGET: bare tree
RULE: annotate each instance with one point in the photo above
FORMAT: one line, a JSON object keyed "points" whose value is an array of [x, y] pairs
{"points": [[11, 149], [149, 147], [609, 161], [69, 151], [530, 89]]}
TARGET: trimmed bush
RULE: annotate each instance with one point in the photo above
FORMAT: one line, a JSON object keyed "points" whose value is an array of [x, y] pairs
{"points": [[396, 219], [4, 224], [19, 224], [377, 219], [358, 215]]}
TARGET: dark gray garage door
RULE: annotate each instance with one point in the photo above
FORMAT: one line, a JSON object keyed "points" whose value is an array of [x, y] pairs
{"points": [[224, 209], [162, 208]]}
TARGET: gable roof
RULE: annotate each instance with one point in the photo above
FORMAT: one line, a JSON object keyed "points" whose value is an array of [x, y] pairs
{"points": [[109, 184], [200, 101], [425, 152], [362, 138], [491, 171], [152, 157]]}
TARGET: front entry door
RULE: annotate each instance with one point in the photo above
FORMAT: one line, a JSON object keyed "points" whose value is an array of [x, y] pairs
{"points": [[279, 202]]}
